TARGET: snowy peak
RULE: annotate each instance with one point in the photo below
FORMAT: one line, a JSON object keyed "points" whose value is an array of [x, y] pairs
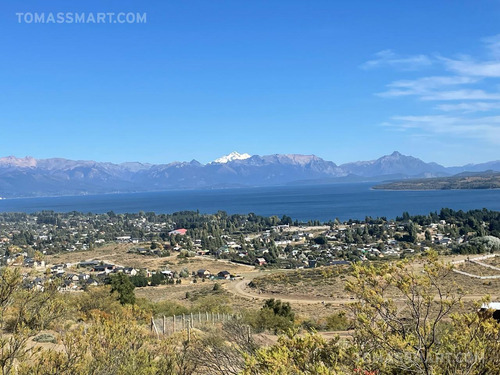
{"points": [[231, 157], [12, 161]]}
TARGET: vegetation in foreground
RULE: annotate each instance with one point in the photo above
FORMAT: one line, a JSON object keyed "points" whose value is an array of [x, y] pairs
{"points": [[427, 329]]}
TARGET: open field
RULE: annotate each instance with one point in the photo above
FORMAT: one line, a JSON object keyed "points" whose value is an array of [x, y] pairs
{"points": [[492, 261], [315, 286], [476, 269], [311, 292], [202, 296], [118, 254], [318, 283]]}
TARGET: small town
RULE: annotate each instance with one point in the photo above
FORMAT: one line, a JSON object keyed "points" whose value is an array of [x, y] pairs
{"points": [[250, 187], [35, 241]]}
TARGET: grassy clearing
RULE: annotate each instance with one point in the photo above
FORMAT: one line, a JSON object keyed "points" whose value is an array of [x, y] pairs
{"points": [[476, 269], [323, 282]]}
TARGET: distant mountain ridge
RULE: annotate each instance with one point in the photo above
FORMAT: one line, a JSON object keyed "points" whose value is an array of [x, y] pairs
{"points": [[396, 163], [28, 177]]}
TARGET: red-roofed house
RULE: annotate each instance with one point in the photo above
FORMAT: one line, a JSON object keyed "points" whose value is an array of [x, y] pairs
{"points": [[180, 231]]}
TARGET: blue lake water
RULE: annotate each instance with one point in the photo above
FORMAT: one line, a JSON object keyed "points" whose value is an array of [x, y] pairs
{"points": [[321, 202]]}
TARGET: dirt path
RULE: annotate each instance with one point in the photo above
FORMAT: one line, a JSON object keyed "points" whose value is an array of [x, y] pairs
{"points": [[240, 288]]}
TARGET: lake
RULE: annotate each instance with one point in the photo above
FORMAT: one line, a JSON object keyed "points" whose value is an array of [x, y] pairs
{"points": [[319, 202]]}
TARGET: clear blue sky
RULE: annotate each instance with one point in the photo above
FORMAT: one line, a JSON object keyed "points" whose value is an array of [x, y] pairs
{"points": [[345, 80]]}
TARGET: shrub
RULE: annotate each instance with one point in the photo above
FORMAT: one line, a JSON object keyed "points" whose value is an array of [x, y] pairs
{"points": [[45, 337], [337, 322]]}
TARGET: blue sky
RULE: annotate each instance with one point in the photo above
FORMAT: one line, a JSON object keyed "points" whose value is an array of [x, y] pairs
{"points": [[345, 80]]}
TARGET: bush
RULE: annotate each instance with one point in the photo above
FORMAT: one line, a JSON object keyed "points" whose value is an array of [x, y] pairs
{"points": [[45, 337], [157, 279], [338, 322], [279, 308], [95, 299], [139, 281], [274, 315], [311, 325], [266, 319], [167, 308], [212, 303]]}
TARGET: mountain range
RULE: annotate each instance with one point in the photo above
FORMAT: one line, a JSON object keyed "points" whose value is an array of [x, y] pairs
{"points": [[29, 177]]}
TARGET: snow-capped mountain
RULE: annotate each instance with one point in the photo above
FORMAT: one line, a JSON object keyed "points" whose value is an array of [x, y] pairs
{"points": [[231, 157], [22, 177]]}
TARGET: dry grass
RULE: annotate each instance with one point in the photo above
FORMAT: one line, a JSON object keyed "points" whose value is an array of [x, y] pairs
{"points": [[324, 282], [492, 261], [118, 254], [476, 269]]}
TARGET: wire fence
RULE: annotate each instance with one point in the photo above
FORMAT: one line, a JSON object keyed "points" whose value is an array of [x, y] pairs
{"points": [[169, 325]]}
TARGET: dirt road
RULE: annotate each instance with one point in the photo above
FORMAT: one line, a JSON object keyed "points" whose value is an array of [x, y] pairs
{"points": [[241, 288]]}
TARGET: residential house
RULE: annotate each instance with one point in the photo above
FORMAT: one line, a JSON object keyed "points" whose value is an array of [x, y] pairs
{"points": [[260, 262], [203, 273], [224, 275], [180, 231]]}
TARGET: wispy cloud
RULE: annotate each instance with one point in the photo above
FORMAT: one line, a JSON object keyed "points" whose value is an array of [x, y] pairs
{"points": [[483, 128], [464, 94], [493, 44], [389, 58], [467, 65], [469, 107], [468, 85], [424, 86], [470, 67]]}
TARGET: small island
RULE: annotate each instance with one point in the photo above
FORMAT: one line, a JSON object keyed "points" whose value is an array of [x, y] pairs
{"points": [[466, 180]]}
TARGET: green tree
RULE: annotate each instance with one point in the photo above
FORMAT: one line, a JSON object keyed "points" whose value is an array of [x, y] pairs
{"points": [[157, 279], [279, 308], [123, 287], [405, 321]]}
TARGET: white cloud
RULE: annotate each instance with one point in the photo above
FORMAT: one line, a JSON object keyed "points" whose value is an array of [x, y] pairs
{"points": [[464, 94], [391, 59], [469, 107], [469, 67], [493, 44], [483, 128], [467, 85], [424, 86]]}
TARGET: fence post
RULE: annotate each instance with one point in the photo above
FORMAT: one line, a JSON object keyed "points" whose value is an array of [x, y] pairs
{"points": [[173, 324], [153, 327], [164, 325]]}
